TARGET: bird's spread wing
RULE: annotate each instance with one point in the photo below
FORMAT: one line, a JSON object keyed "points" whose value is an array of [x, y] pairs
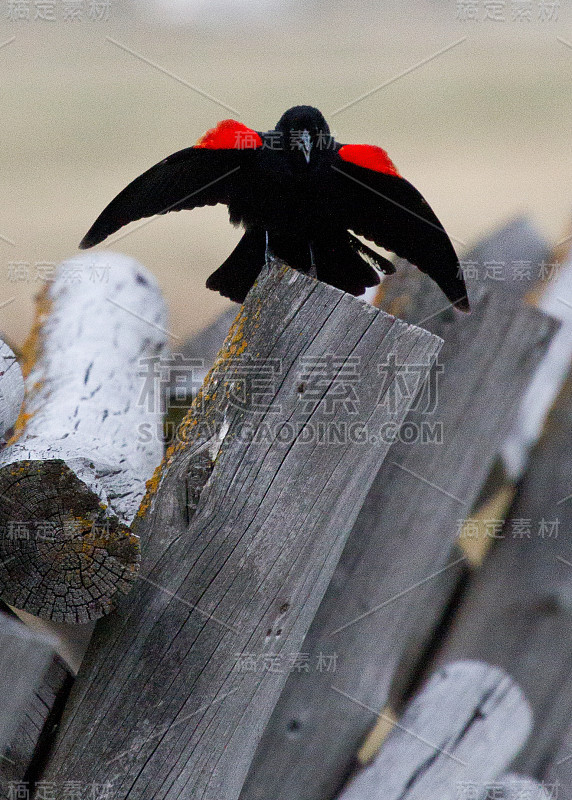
{"points": [[205, 174], [373, 199]]}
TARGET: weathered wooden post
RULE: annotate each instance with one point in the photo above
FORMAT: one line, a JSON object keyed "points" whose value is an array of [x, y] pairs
{"points": [[27, 747], [460, 733], [242, 528], [515, 264], [554, 298], [517, 609], [24, 658], [74, 474], [401, 542]]}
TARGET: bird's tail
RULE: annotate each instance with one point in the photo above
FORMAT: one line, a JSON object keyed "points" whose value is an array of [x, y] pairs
{"points": [[347, 263], [235, 277], [341, 260]]}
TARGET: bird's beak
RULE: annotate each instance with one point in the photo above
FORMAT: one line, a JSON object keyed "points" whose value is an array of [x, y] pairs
{"points": [[306, 145]]}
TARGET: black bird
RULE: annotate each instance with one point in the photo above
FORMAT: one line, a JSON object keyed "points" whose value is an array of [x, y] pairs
{"points": [[300, 195]]}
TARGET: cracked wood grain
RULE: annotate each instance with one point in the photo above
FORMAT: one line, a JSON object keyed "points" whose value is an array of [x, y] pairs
{"points": [[163, 706], [401, 542], [462, 730], [516, 611], [24, 658]]}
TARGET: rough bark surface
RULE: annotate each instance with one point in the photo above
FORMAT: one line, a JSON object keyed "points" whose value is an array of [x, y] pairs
{"points": [[400, 545], [516, 612], [240, 541]]}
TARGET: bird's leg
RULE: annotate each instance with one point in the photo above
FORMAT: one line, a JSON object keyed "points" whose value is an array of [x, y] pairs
{"points": [[313, 273]]}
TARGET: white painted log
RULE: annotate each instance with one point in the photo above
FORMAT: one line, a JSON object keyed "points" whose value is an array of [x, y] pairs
{"points": [[87, 441], [11, 389], [464, 727], [83, 398]]}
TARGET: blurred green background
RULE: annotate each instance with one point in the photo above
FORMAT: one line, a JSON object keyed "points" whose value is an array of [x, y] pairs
{"points": [[483, 130]]}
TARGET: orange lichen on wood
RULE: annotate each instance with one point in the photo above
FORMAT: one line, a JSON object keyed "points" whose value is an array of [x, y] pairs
{"points": [[205, 402], [20, 425], [152, 485], [397, 306], [203, 405], [234, 346], [32, 347]]}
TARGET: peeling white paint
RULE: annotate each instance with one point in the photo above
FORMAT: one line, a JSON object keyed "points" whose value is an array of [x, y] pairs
{"points": [[90, 401]]}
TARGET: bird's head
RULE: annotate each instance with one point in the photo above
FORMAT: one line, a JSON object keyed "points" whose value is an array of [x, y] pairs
{"points": [[304, 131]]}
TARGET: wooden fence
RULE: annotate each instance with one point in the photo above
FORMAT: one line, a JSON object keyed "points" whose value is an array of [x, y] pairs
{"points": [[348, 577]]}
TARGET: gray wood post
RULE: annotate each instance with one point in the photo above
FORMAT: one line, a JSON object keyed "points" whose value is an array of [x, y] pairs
{"points": [[522, 266], [509, 262], [24, 657], [29, 743], [241, 529], [515, 263], [461, 731], [513, 258], [556, 300], [400, 543], [517, 610]]}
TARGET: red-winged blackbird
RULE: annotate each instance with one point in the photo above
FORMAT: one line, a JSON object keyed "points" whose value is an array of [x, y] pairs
{"points": [[298, 193]]}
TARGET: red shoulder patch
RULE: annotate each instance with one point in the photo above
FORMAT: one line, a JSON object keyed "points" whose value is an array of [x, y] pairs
{"points": [[228, 135], [370, 157]]}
